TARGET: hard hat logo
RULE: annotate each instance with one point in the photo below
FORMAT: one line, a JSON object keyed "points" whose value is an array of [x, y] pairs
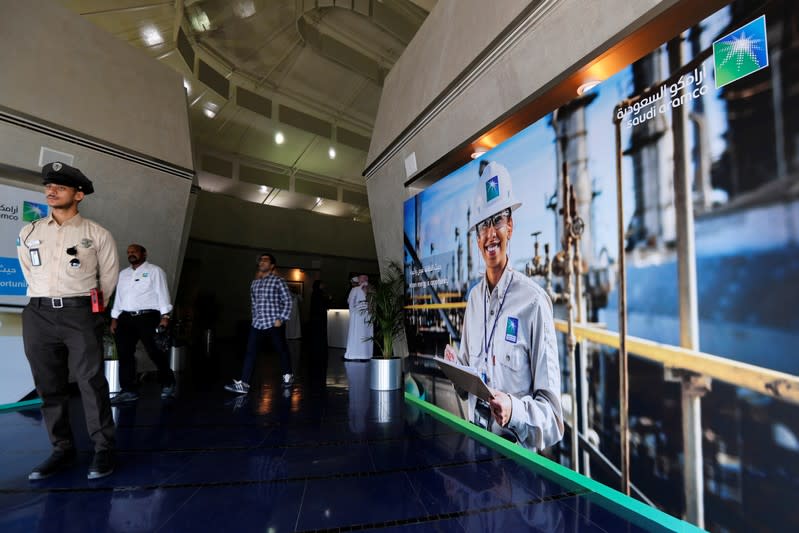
{"points": [[493, 193], [492, 189]]}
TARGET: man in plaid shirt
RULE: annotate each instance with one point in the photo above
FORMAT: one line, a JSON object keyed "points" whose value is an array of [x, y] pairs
{"points": [[271, 307]]}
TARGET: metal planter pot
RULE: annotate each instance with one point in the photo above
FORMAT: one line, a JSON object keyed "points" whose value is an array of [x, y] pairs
{"points": [[112, 375], [386, 406], [385, 374], [177, 358]]}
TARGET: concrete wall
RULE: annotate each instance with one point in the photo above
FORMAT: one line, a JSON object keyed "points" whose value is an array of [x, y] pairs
{"points": [[60, 68], [561, 36], [64, 73], [227, 234], [69, 86]]}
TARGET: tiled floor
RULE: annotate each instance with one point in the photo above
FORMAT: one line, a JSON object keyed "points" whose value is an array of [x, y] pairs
{"points": [[323, 455]]}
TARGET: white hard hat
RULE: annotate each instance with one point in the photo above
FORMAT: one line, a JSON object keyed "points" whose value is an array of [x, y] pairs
{"points": [[492, 194]]}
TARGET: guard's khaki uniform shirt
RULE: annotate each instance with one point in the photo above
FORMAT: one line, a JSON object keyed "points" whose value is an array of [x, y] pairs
{"points": [[520, 358], [56, 277]]}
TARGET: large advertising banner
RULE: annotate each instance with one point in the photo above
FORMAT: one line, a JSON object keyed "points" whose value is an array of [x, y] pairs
{"points": [[734, 77], [18, 207]]}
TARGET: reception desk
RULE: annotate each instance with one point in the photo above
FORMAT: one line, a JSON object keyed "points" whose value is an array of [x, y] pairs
{"points": [[338, 324]]}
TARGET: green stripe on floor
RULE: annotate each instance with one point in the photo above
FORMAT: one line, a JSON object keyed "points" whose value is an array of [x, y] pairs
{"points": [[27, 404], [620, 504]]}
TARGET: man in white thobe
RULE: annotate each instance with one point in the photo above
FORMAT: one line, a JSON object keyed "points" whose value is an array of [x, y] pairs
{"points": [[359, 337]]}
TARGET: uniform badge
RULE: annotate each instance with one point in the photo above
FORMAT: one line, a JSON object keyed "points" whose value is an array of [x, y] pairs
{"points": [[145, 274], [86, 243], [56, 166], [18, 243], [512, 330]]}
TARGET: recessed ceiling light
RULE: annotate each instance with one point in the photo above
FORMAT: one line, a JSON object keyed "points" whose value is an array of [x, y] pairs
{"points": [[244, 8], [587, 86], [264, 189], [210, 109], [187, 85], [199, 20], [151, 36], [331, 153], [479, 151], [279, 138]]}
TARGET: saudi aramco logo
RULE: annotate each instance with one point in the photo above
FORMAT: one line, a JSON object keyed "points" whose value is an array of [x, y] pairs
{"points": [[492, 188], [32, 211], [741, 52]]}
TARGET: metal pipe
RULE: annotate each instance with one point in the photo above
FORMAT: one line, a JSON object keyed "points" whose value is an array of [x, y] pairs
{"points": [[569, 299], [623, 377], [693, 474], [771, 383], [582, 361], [702, 182]]}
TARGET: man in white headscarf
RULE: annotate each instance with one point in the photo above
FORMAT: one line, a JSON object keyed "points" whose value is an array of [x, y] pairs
{"points": [[359, 337], [508, 329]]}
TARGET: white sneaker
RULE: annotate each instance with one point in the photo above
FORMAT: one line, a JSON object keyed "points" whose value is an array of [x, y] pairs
{"points": [[288, 379], [239, 387]]}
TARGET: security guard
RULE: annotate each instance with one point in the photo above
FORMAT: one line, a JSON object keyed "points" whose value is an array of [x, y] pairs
{"points": [[509, 331], [63, 256]]}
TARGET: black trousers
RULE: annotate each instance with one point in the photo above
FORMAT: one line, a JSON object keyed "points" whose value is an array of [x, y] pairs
{"points": [[131, 330], [255, 342], [63, 341]]}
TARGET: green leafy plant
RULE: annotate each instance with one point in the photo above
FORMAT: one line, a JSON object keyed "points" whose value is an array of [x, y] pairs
{"points": [[386, 302]]}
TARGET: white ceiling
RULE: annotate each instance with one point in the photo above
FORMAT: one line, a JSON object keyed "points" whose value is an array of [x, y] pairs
{"points": [[317, 66]]}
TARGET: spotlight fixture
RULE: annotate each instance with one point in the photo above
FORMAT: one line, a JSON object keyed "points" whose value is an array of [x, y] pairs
{"points": [[151, 36], [279, 138], [478, 152], [331, 153], [210, 110], [587, 86]]}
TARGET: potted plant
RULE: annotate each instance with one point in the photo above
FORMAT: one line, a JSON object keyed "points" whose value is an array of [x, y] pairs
{"points": [[386, 304]]}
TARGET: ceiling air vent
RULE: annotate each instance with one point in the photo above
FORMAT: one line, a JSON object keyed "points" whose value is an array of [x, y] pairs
{"points": [[352, 139], [304, 121], [213, 79], [254, 102], [185, 49]]}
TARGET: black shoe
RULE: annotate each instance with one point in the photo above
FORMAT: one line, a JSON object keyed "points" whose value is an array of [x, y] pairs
{"points": [[102, 465], [58, 460]]}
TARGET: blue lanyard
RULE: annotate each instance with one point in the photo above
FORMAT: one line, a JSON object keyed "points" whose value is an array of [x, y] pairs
{"points": [[487, 340]]}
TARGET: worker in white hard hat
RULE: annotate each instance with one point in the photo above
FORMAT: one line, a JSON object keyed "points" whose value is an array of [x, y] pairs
{"points": [[508, 330]]}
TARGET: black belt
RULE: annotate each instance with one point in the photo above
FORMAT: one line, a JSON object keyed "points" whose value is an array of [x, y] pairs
{"points": [[142, 312], [58, 303]]}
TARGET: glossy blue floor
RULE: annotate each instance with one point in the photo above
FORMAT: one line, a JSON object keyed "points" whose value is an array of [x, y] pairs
{"points": [[325, 454]]}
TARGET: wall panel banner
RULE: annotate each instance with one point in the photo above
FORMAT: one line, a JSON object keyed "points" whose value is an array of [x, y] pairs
{"points": [[18, 207], [716, 107]]}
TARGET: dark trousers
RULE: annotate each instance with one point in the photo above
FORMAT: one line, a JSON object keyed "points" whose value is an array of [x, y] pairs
{"points": [[131, 330], [63, 341], [277, 336]]}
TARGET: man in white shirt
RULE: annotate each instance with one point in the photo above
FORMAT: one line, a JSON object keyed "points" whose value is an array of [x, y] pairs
{"points": [[141, 306], [509, 331], [359, 335]]}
